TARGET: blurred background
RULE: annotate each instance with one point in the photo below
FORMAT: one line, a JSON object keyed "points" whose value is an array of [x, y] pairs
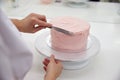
{"points": [[91, 10]]}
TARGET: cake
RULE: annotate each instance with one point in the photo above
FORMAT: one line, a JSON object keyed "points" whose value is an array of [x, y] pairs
{"points": [[66, 43], [46, 1]]}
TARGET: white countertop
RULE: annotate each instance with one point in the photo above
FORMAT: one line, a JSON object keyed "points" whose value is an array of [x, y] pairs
{"points": [[105, 25]]}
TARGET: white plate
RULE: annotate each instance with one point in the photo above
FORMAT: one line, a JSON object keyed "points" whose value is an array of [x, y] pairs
{"points": [[44, 48]]}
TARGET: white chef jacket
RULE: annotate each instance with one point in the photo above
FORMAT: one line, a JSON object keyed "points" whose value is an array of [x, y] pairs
{"points": [[15, 56]]}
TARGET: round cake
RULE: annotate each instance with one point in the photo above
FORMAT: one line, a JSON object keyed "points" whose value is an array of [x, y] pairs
{"points": [[70, 43]]}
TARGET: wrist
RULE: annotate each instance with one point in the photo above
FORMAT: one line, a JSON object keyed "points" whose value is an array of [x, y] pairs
{"points": [[17, 23], [50, 77]]}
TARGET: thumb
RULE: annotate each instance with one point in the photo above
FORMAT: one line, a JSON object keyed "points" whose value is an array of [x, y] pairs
{"points": [[52, 58]]}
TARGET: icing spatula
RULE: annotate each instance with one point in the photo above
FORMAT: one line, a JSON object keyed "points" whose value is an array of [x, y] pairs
{"points": [[62, 30]]}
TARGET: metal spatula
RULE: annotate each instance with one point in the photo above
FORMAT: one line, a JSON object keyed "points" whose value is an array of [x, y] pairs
{"points": [[62, 30]]}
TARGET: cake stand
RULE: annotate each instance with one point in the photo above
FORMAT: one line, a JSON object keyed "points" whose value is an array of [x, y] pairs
{"points": [[76, 60]]}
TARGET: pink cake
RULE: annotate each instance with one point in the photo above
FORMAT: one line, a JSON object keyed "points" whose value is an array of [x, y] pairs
{"points": [[46, 1], [65, 43]]}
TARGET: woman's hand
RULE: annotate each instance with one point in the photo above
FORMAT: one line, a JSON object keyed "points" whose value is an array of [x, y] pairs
{"points": [[53, 68], [32, 23]]}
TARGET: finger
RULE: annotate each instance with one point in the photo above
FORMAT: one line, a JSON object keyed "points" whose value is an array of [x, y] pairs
{"points": [[52, 58], [45, 68], [57, 61], [36, 26], [45, 62], [42, 17], [37, 29], [42, 23], [38, 16]]}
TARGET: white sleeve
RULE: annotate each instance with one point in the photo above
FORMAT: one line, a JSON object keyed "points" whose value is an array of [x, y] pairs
{"points": [[5, 68], [17, 56]]}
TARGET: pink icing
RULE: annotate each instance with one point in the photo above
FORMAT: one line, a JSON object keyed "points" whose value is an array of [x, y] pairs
{"points": [[66, 43]]}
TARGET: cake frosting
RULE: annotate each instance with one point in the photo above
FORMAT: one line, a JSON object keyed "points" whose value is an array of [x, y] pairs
{"points": [[66, 43]]}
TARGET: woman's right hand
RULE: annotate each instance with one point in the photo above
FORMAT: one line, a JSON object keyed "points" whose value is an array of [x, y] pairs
{"points": [[32, 23], [53, 68]]}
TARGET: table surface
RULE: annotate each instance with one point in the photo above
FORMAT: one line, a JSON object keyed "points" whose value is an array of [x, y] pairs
{"points": [[105, 25]]}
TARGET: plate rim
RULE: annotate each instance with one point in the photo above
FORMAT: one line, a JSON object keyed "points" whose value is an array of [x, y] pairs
{"points": [[48, 32]]}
